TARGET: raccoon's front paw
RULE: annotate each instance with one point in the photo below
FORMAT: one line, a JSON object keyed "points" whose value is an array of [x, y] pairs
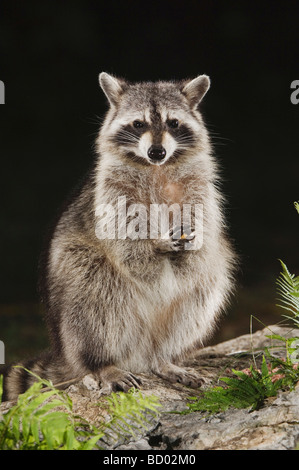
{"points": [[178, 238], [175, 374], [113, 379]]}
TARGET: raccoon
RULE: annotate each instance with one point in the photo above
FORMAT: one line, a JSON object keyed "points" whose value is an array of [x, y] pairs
{"points": [[118, 307]]}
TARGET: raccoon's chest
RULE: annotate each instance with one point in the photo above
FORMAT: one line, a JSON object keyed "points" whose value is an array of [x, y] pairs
{"points": [[167, 190], [173, 192]]}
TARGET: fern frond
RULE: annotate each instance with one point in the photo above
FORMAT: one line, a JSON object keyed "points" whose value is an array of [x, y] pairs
{"points": [[288, 290], [43, 418], [130, 412], [242, 392]]}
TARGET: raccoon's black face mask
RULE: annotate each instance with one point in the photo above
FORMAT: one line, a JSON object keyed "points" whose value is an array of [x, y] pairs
{"points": [[154, 123]]}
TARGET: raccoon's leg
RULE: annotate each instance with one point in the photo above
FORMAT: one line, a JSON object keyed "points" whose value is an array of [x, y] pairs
{"points": [[100, 325], [184, 325], [175, 374]]}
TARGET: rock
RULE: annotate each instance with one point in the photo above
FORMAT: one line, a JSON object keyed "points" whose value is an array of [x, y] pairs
{"points": [[275, 426]]}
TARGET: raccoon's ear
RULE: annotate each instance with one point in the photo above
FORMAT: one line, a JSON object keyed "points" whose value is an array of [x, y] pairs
{"points": [[112, 87], [196, 89]]}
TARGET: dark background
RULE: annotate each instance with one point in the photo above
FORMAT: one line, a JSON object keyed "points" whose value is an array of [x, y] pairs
{"points": [[51, 53]]}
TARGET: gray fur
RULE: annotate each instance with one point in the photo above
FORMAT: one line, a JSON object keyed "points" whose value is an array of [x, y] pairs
{"points": [[119, 307]]}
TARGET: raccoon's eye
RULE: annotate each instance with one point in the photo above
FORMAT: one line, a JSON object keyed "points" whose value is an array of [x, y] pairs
{"points": [[138, 124], [173, 123]]}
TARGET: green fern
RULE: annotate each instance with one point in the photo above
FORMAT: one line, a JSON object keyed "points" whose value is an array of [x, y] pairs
{"points": [[247, 390], [130, 412], [288, 290], [43, 419]]}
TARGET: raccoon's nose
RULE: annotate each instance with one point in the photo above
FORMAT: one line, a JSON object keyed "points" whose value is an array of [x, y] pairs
{"points": [[156, 152]]}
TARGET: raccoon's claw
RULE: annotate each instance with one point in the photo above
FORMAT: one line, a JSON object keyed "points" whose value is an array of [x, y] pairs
{"points": [[183, 244], [181, 232], [116, 380], [125, 383], [179, 238], [175, 374]]}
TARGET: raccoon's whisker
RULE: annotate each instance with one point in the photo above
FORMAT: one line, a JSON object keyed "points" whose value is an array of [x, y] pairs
{"points": [[186, 138], [221, 139], [184, 135], [186, 141], [217, 143], [127, 136], [95, 120], [125, 142], [218, 140], [123, 131], [217, 135], [184, 148]]}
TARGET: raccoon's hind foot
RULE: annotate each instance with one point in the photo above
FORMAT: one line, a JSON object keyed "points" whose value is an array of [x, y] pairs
{"points": [[113, 379], [176, 374], [179, 238]]}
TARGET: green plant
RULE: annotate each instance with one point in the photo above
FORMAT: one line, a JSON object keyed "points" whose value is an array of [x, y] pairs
{"points": [[288, 289], [43, 419], [248, 389], [129, 412]]}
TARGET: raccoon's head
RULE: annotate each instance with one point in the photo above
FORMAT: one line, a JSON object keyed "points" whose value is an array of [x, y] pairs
{"points": [[153, 123]]}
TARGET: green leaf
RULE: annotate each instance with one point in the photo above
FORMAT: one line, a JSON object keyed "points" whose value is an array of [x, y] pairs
{"points": [[91, 443], [265, 371], [278, 337], [15, 426], [288, 290]]}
